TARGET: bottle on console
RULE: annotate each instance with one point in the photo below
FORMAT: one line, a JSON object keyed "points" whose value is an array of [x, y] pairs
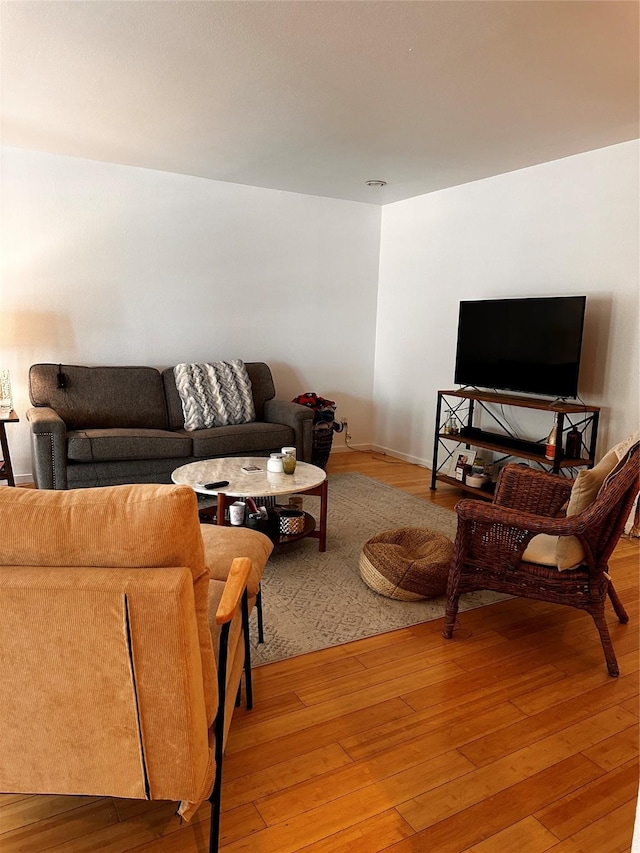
{"points": [[573, 446], [552, 441]]}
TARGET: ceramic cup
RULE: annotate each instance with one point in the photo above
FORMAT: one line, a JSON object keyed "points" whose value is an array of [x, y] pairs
{"points": [[236, 513]]}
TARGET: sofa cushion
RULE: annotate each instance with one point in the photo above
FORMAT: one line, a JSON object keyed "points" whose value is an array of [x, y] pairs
{"points": [[240, 439], [100, 445], [101, 397]]}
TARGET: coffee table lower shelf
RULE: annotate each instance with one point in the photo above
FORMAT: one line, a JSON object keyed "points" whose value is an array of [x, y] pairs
{"points": [[209, 515]]}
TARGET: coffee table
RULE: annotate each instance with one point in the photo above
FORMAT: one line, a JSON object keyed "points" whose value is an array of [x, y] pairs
{"points": [[306, 478]]}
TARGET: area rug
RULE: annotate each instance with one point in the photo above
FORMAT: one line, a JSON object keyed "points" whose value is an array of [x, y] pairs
{"points": [[312, 601]]}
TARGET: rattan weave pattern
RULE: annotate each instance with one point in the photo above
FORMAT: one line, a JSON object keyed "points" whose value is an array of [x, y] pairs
{"points": [[491, 539], [407, 563]]}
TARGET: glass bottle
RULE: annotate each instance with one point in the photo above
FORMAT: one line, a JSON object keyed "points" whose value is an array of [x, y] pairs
{"points": [[552, 441], [573, 446]]}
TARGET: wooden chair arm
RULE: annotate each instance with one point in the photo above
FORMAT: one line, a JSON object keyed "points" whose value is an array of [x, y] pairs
{"points": [[233, 589], [526, 490]]}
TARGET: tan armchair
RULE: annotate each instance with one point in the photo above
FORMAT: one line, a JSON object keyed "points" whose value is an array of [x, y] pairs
{"points": [[127, 642]]}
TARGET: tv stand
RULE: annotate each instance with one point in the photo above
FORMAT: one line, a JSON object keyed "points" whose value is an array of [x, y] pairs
{"points": [[462, 405]]}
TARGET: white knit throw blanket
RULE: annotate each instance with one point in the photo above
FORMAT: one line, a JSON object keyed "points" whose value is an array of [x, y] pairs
{"points": [[215, 394]]}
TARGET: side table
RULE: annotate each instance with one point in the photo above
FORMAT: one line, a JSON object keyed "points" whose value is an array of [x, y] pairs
{"points": [[6, 471]]}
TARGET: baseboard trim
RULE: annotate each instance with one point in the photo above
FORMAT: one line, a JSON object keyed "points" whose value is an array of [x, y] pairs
{"points": [[406, 457]]}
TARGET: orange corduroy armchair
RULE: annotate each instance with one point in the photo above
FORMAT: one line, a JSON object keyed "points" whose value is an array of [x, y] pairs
{"points": [[126, 640]]}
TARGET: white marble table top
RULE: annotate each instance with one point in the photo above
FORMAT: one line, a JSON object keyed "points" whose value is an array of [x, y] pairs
{"points": [[242, 484]]}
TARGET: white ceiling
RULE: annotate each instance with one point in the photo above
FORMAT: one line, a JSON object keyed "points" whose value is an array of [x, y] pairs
{"points": [[318, 97]]}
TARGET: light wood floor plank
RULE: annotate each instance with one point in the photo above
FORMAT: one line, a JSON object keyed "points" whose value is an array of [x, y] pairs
{"points": [[373, 835], [609, 834], [525, 836], [239, 762], [514, 768], [381, 765], [598, 799], [510, 805]]}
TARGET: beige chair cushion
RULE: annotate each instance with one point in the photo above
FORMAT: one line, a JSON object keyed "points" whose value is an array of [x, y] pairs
{"points": [[566, 552], [542, 550]]}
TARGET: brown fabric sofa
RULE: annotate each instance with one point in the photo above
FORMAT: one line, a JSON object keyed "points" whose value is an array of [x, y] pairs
{"points": [[125, 637], [101, 426]]}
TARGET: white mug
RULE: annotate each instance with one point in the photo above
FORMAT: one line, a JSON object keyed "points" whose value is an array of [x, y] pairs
{"points": [[236, 513], [290, 450]]}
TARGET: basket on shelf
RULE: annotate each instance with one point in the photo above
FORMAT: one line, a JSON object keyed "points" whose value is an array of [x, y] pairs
{"points": [[324, 425]]}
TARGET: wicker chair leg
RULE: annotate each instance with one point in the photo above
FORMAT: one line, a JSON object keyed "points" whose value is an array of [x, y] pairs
{"points": [[450, 616], [607, 645], [618, 606]]}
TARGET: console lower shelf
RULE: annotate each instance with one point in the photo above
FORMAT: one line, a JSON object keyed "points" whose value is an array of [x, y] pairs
{"points": [[485, 491], [521, 448]]}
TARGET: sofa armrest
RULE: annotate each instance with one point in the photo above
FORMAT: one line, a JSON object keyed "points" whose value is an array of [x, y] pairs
{"points": [[299, 418], [48, 448]]}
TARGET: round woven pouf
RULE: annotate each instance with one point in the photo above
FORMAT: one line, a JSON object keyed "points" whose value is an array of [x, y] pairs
{"points": [[408, 564]]}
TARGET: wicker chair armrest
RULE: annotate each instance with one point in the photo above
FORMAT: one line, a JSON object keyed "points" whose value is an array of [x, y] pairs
{"points": [[498, 536], [483, 513], [526, 490]]}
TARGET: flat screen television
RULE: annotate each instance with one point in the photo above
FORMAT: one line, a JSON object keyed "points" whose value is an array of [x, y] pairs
{"points": [[531, 345]]}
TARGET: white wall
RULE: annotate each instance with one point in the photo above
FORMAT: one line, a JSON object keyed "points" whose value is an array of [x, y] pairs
{"points": [[565, 227], [105, 264]]}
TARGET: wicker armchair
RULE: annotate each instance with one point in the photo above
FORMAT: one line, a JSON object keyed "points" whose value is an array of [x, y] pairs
{"points": [[492, 538]]}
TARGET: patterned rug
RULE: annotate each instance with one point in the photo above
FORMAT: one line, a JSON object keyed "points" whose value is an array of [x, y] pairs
{"points": [[312, 601]]}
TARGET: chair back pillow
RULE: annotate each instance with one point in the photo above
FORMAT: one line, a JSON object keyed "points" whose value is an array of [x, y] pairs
{"points": [[587, 485]]}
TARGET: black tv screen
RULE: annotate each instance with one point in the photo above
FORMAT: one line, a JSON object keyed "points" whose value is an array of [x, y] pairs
{"points": [[530, 345]]}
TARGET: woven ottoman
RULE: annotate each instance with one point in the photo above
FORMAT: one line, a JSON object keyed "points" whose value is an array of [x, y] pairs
{"points": [[409, 564]]}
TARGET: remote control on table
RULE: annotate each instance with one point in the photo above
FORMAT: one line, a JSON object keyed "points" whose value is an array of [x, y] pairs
{"points": [[218, 485]]}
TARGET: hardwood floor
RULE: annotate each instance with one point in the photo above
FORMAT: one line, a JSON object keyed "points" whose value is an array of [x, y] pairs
{"points": [[511, 737]]}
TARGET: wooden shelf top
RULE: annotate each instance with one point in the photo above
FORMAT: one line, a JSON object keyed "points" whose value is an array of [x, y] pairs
{"points": [[525, 402]]}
